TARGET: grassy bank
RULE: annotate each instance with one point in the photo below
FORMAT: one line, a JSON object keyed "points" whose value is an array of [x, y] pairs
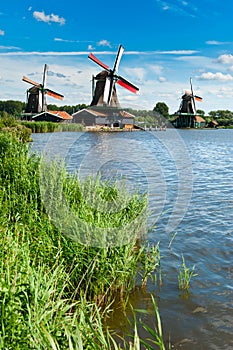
{"points": [[42, 127], [54, 291]]}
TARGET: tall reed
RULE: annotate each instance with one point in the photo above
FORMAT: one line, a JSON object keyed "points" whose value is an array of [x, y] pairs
{"points": [[54, 290], [43, 126]]}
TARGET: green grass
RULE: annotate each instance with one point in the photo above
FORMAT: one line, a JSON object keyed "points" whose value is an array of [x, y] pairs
{"points": [[54, 290], [185, 276], [43, 127]]}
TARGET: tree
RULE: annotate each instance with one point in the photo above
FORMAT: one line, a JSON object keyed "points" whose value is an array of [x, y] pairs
{"points": [[162, 109], [200, 112], [14, 108]]}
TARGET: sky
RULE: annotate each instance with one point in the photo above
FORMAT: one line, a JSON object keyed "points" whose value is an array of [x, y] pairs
{"points": [[166, 43]]}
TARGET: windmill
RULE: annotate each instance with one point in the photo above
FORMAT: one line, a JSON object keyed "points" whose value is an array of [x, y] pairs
{"points": [[188, 104], [104, 93], [36, 101]]}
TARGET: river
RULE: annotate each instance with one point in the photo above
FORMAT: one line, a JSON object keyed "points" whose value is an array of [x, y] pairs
{"points": [[188, 175]]}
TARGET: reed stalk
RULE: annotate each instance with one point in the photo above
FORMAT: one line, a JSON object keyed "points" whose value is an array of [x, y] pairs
{"points": [[54, 291]]}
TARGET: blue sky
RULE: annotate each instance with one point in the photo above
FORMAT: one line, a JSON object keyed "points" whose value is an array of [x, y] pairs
{"points": [[166, 43]]}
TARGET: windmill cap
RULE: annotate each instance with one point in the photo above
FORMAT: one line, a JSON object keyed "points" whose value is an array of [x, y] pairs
{"points": [[187, 92]]}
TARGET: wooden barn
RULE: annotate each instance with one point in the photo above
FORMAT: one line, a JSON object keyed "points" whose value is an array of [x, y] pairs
{"points": [[53, 116], [104, 117]]}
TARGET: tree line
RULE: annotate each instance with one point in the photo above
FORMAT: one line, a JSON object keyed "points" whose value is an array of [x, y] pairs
{"points": [[155, 116]]}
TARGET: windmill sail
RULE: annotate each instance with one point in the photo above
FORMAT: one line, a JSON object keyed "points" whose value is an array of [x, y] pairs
{"points": [[105, 90]]}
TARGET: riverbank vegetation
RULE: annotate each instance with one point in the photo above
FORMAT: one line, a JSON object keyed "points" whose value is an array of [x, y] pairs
{"points": [[54, 291], [41, 127], [157, 116]]}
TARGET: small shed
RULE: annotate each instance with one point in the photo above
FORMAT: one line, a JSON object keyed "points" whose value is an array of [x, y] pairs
{"points": [[213, 124], [199, 122]]}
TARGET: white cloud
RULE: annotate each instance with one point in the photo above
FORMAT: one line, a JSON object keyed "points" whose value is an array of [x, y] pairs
{"points": [[71, 41], [156, 68], [41, 16], [182, 8], [177, 52], [104, 43], [214, 42], [2, 32], [225, 59], [9, 48], [136, 73], [162, 79], [215, 76], [90, 48]]}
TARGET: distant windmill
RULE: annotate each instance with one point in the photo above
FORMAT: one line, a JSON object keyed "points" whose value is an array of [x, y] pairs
{"points": [[187, 104], [36, 101], [104, 93]]}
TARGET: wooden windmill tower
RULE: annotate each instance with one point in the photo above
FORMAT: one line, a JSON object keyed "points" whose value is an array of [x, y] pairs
{"points": [[36, 95], [104, 91], [188, 104], [186, 116]]}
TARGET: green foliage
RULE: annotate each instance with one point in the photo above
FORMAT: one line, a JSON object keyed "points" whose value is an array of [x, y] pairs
{"points": [[42, 127], [185, 276], [155, 340], [9, 125], [150, 260], [223, 117], [13, 108], [68, 109], [201, 112], [52, 289], [162, 109]]}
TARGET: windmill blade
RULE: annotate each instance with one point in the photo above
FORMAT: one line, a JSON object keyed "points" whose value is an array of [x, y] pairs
{"points": [[198, 98], [193, 99], [54, 94], [118, 58], [44, 75], [96, 60], [126, 84], [27, 80], [107, 91]]}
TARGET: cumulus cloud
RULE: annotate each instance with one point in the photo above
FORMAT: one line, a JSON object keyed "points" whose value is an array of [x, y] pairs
{"points": [[90, 48], [225, 59], [215, 76], [2, 32], [104, 43], [42, 17]]}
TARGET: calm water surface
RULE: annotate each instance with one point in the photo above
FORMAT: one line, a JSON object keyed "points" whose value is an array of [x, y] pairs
{"points": [[189, 177]]}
